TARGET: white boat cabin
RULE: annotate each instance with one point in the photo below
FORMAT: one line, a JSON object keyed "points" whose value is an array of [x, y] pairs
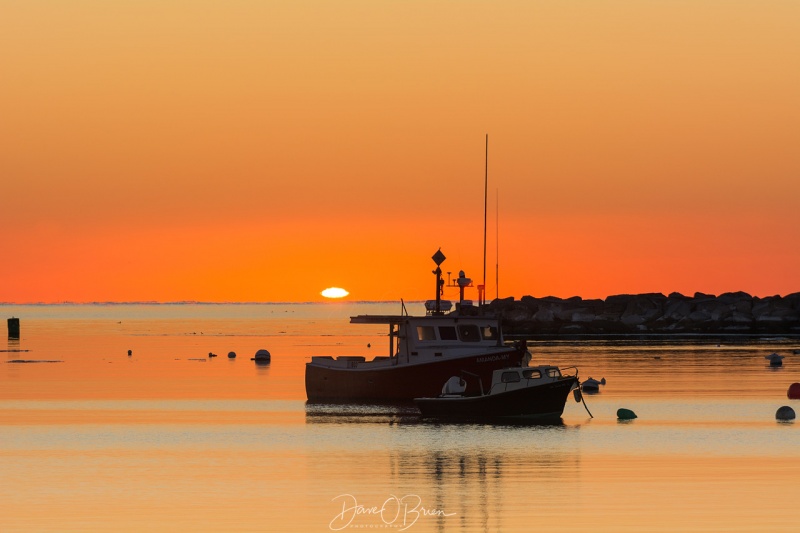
{"points": [[424, 339], [505, 380], [508, 379]]}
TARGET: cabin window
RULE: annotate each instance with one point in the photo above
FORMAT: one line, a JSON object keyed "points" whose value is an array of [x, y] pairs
{"points": [[447, 333], [553, 373], [468, 333], [532, 374], [509, 377], [426, 333], [489, 333]]}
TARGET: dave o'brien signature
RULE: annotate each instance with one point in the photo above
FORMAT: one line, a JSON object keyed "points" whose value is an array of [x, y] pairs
{"points": [[394, 511]]}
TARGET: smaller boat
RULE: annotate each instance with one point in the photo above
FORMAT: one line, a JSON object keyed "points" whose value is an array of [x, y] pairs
{"points": [[538, 392]]}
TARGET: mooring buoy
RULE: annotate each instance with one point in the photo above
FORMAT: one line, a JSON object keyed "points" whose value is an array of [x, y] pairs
{"points": [[592, 385], [231, 355], [774, 359], [784, 413], [262, 357], [794, 391], [625, 414]]}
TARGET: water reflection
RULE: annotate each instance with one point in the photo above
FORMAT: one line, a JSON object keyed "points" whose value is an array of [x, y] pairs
{"points": [[484, 489], [361, 413], [158, 442], [402, 413], [447, 476], [13, 347]]}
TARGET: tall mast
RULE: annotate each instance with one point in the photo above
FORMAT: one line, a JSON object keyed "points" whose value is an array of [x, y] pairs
{"points": [[485, 193], [497, 244]]}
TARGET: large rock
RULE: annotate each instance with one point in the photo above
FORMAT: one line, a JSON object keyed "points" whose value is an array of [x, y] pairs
{"points": [[545, 314], [793, 300], [643, 308], [517, 312], [677, 309]]}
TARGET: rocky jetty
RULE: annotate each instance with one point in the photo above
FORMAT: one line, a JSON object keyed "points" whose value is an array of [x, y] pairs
{"points": [[732, 313]]}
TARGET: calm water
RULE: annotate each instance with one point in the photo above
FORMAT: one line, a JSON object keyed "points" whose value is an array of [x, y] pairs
{"points": [[170, 440]]}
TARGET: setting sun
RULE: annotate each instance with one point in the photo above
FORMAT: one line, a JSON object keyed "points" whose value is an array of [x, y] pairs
{"points": [[334, 292]]}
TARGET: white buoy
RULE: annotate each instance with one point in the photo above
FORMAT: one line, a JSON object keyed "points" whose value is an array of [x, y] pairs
{"points": [[262, 357], [774, 359], [454, 385], [592, 385]]}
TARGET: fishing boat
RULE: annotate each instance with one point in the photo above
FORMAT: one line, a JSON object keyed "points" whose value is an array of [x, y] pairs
{"points": [[538, 393], [424, 351]]}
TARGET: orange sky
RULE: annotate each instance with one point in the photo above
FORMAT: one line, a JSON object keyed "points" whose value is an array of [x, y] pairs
{"points": [[262, 151]]}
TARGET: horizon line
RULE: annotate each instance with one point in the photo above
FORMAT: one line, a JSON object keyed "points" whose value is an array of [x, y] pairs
{"points": [[198, 302], [341, 300]]}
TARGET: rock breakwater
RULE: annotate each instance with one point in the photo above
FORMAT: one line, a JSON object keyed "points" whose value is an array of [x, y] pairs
{"points": [[654, 313]]}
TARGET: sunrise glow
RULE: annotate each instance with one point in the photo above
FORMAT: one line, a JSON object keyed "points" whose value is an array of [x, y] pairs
{"points": [[216, 151]]}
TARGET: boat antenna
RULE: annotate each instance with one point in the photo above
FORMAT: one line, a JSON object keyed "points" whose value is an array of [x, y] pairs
{"points": [[485, 193]]}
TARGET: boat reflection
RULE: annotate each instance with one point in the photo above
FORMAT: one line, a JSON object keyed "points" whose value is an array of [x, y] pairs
{"points": [[445, 476], [483, 490], [361, 413], [403, 413]]}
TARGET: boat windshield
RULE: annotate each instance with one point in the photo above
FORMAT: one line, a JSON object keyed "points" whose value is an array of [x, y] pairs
{"points": [[509, 377], [447, 333], [468, 333], [426, 333], [489, 333]]}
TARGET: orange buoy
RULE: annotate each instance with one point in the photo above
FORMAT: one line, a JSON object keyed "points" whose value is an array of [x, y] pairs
{"points": [[794, 391]]}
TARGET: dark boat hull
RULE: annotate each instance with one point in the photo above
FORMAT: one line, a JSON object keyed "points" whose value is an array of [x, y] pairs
{"points": [[403, 382], [544, 401]]}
